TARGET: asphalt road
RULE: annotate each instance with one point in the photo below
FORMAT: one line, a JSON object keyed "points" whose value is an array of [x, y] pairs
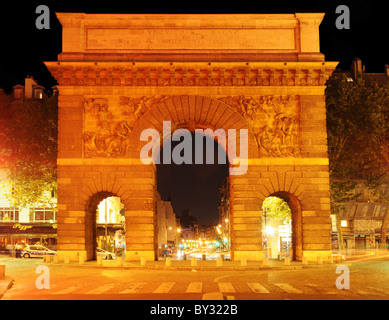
{"points": [[368, 279]]}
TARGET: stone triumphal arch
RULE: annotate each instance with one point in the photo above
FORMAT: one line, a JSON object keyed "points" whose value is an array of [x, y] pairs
{"points": [[120, 74]]}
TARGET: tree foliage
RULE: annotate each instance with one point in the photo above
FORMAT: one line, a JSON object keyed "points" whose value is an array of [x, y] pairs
{"points": [[358, 138], [29, 150], [277, 208]]}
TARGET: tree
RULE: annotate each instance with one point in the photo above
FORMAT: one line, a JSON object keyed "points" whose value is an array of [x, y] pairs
{"points": [[358, 139], [29, 151], [277, 208]]}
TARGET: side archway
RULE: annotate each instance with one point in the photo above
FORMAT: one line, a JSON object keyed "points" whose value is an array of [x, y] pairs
{"points": [[296, 220]]}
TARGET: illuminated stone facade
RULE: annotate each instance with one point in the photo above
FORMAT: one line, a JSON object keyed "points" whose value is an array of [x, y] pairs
{"points": [[121, 74]]}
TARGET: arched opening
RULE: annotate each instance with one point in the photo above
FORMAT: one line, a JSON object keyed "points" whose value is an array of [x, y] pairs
{"points": [[105, 227], [282, 231], [191, 184]]}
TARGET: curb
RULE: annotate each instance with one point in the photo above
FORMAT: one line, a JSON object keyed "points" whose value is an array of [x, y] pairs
{"points": [[4, 288], [194, 268]]}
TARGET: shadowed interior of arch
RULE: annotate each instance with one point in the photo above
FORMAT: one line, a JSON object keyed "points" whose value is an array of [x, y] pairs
{"points": [[194, 185]]}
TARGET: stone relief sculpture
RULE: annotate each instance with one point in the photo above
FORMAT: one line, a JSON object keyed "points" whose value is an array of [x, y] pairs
{"points": [[274, 121], [107, 126], [104, 135]]}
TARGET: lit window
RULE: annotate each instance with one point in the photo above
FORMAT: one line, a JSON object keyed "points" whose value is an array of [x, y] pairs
{"points": [[9, 215], [343, 223]]}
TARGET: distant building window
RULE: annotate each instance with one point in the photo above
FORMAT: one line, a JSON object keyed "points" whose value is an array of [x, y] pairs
{"points": [[343, 223], [18, 93], [42, 215], [9, 215], [38, 94]]}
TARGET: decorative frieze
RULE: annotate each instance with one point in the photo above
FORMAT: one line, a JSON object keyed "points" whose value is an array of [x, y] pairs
{"points": [[86, 74]]}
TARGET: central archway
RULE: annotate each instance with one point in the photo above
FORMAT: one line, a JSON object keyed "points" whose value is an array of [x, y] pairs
{"points": [[199, 112]]}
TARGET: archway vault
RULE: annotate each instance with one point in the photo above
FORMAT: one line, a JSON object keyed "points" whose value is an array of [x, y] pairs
{"points": [[111, 90]]}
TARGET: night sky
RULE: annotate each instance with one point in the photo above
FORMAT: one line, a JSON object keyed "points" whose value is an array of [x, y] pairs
{"points": [[23, 48]]}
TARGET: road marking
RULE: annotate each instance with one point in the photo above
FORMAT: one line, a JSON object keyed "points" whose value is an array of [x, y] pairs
{"points": [[195, 287], [66, 291], [288, 288], [226, 287], [134, 287], [164, 287], [101, 289], [257, 288]]}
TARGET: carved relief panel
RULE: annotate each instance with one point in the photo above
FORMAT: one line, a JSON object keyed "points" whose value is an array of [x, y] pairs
{"points": [[274, 120]]}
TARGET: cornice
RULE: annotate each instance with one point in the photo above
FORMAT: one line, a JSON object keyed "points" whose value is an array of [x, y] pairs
{"points": [[191, 73]]}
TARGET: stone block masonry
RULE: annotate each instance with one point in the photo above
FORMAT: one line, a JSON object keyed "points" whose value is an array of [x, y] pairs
{"points": [[121, 74]]}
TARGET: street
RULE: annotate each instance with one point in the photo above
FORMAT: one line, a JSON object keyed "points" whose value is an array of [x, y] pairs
{"points": [[369, 279]]}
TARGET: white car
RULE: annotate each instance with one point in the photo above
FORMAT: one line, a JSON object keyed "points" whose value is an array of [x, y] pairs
{"points": [[105, 254], [36, 251]]}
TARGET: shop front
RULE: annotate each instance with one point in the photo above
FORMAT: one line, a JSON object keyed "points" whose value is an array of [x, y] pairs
{"points": [[27, 233]]}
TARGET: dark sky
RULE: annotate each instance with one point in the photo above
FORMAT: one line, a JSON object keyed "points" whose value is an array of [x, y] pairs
{"points": [[23, 48]]}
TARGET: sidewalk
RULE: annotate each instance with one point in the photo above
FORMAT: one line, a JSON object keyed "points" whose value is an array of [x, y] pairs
{"points": [[5, 284], [185, 265]]}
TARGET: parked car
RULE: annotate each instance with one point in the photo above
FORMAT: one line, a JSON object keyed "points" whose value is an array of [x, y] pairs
{"points": [[36, 251], [105, 254]]}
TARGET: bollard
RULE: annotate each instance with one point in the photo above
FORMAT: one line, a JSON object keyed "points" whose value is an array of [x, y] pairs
{"points": [[305, 260], [81, 259], [287, 261], [319, 260], [119, 261], [193, 262], [67, 259], [265, 262], [168, 262], [99, 260], [204, 256], [2, 271], [243, 262], [55, 259], [143, 261], [219, 262], [330, 259]]}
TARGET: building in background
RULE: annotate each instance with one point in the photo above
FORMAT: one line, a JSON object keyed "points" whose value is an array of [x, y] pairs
{"points": [[168, 229], [225, 214], [361, 221], [30, 225], [110, 226], [30, 90], [357, 70]]}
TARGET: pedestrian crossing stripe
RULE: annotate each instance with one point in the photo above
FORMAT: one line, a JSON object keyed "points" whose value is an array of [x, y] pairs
{"points": [[101, 289], [66, 291], [257, 288], [288, 288], [134, 287], [198, 287], [226, 287], [164, 287], [195, 287]]}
